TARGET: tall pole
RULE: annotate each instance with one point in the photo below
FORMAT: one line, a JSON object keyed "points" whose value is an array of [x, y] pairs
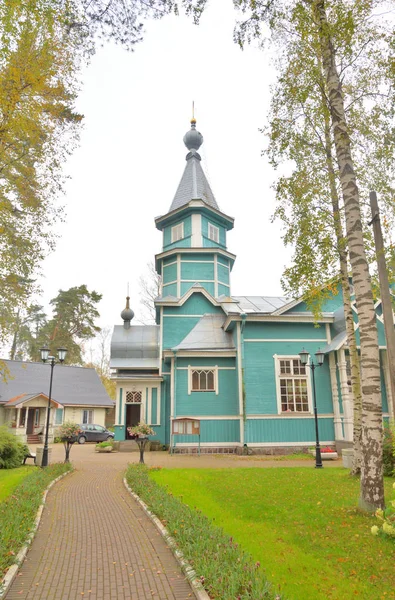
{"points": [[45, 451], [318, 458], [385, 295]]}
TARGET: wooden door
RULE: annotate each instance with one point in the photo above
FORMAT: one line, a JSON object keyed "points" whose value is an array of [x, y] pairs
{"points": [[30, 420]]}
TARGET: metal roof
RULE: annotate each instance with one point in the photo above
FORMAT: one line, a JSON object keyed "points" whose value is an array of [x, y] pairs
{"points": [[260, 304], [207, 335], [137, 346], [338, 341], [193, 185], [77, 386]]}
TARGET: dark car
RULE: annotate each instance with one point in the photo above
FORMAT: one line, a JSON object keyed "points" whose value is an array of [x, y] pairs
{"points": [[94, 433]]}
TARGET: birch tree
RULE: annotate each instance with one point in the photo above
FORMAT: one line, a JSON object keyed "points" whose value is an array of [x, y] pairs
{"points": [[309, 202], [335, 26]]}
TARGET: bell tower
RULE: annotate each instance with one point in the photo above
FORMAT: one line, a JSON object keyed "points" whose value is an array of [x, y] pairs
{"points": [[194, 232]]}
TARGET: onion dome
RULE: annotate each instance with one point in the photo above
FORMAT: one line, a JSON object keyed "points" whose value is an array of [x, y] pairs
{"points": [[127, 314], [193, 139]]}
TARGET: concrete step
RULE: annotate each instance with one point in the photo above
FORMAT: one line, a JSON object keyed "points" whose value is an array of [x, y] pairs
{"points": [[33, 439], [131, 446]]}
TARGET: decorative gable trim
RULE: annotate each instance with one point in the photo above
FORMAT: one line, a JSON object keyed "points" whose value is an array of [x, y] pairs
{"points": [[196, 288]]}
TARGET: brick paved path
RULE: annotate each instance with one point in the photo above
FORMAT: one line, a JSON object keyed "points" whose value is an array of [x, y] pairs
{"points": [[95, 542]]}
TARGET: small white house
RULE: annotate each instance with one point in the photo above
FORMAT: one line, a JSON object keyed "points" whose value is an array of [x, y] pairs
{"points": [[77, 395]]}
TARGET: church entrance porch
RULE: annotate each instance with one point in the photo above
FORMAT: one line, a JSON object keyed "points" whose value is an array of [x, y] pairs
{"points": [[133, 417]]}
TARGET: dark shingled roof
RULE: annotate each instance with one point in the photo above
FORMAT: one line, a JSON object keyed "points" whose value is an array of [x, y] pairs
{"points": [[76, 386], [193, 185]]}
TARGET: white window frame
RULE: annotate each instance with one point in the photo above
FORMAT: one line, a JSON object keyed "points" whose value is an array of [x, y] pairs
{"points": [[177, 232], [279, 375], [213, 233], [62, 419], [192, 368], [90, 416]]}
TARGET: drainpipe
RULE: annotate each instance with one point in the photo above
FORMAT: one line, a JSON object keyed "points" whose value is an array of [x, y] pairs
{"points": [[243, 321]]}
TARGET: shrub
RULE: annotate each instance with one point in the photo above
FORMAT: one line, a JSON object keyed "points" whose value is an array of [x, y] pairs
{"points": [[12, 451], [224, 570], [386, 519], [140, 429], [68, 430], [389, 450], [104, 444]]}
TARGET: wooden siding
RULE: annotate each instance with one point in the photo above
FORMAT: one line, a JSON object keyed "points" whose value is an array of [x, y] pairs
{"points": [[215, 431], [288, 430]]}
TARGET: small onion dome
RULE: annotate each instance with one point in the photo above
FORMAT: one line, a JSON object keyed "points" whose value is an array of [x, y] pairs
{"points": [[193, 139], [127, 314]]}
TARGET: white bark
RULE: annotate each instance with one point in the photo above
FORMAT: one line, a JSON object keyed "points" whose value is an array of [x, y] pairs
{"points": [[372, 489]]}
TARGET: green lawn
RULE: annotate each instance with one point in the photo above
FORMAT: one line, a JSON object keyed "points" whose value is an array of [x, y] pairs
{"points": [[300, 524], [10, 478]]}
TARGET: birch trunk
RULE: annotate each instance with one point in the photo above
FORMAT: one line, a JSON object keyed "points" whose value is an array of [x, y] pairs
{"points": [[352, 344], [372, 488]]}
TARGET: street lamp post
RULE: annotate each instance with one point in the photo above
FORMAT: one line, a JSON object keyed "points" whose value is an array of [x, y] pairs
{"points": [[304, 359], [52, 361]]}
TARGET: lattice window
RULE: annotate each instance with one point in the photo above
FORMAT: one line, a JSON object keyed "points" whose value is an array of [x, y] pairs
{"points": [[203, 380], [293, 388], [133, 397]]}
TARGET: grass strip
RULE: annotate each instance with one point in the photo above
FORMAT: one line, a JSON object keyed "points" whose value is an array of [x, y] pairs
{"points": [[302, 524], [10, 478], [224, 569], [18, 512]]}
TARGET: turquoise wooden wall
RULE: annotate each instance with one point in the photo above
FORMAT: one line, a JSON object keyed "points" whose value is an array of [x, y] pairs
{"points": [[214, 431], [169, 290], [223, 274], [169, 273], [223, 289], [329, 305], [197, 271], [259, 365], [183, 243], [288, 430], [204, 361], [207, 243], [207, 403], [295, 331], [197, 304], [175, 330]]}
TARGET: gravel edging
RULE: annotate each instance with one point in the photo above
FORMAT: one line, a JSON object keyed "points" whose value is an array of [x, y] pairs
{"points": [[20, 557], [197, 588]]}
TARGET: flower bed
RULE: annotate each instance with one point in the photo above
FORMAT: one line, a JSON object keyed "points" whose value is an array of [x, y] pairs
{"points": [[327, 453]]}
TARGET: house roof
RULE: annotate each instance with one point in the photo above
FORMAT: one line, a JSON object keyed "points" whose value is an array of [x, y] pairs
{"points": [[135, 347], [72, 386], [207, 335], [22, 398]]}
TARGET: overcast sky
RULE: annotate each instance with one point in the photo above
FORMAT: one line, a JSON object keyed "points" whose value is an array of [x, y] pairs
{"points": [[137, 108]]}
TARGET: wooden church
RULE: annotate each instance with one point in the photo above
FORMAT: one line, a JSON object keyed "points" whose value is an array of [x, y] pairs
{"points": [[222, 372]]}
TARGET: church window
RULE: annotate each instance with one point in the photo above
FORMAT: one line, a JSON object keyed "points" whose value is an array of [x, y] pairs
{"points": [[177, 232], [203, 380], [133, 397], [213, 233], [293, 388]]}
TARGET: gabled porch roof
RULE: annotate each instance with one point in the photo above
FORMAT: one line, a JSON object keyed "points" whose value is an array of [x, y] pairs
{"points": [[22, 399]]}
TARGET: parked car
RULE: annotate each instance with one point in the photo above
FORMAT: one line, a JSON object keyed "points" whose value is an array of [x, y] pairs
{"points": [[94, 433]]}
